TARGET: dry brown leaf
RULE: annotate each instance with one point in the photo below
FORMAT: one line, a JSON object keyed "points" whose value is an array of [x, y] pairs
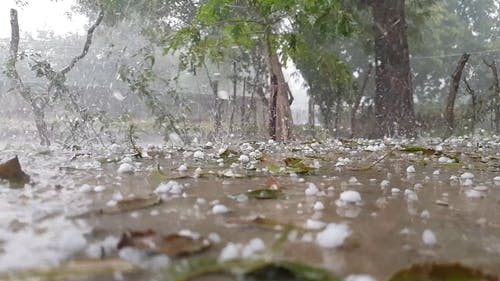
{"points": [[273, 183], [11, 171], [173, 245]]}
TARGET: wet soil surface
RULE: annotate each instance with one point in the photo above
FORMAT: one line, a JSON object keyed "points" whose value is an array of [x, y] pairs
{"points": [[397, 207]]}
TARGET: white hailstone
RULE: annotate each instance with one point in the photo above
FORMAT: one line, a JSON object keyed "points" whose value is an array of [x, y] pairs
{"points": [[126, 168], [497, 180], [127, 159], [436, 172], [117, 195], [353, 181], [454, 178], [111, 203], [411, 195], [85, 188], [99, 188], [482, 188], [467, 175], [170, 187], [471, 193], [333, 235], [395, 190], [214, 237], [209, 144], [384, 184], [314, 224], [445, 160], [219, 209], [244, 159], [360, 277], [199, 155], [182, 168], [154, 213], [438, 147], [318, 206], [311, 190], [230, 252], [429, 238], [410, 169], [197, 172], [425, 214], [466, 182], [350, 196], [255, 246]]}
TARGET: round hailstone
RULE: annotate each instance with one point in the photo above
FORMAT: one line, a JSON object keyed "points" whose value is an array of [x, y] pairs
{"points": [[126, 169], [199, 155], [219, 209], [170, 187], [244, 159], [182, 168], [333, 235], [314, 224], [384, 184], [311, 190], [318, 206], [445, 160], [230, 252], [410, 169], [425, 214], [360, 277], [353, 181], [85, 188], [467, 175], [99, 188], [429, 238], [350, 196], [474, 194], [436, 172]]}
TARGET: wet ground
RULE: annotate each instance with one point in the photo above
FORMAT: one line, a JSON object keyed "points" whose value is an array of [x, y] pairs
{"points": [[396, 207]]}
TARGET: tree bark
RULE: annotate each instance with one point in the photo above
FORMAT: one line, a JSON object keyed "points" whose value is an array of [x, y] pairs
{"points": [[473, 95], [394, 93], [357, 102], [280, 115], [496, 95], [233, 107], [243, 103], [450, 102], [36, 105], [311, 120]]}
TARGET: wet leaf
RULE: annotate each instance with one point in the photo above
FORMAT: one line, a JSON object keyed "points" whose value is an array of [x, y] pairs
{"points": [[273, 183], [11, 171], [248, 269], [229, 153], [275, 225], [264, 193], [293, 161], [429, 152], [89, 269], [132, 204], [173, 245], [441, 272]]}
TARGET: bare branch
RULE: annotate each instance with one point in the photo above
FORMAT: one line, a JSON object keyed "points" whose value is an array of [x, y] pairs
{"points": [[86, 47]]}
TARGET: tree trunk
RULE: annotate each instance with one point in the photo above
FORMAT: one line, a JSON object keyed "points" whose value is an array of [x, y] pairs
{"points": [[217, 107], [37, 107], [358, 99], [233, 107], [311, 113], [473, 95], [243, 103], [450, 102], [394, 94], [280, 115], [496, 95]]}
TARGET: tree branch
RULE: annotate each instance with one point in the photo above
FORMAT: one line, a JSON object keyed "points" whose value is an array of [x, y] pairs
{"points": [[88, 41]]}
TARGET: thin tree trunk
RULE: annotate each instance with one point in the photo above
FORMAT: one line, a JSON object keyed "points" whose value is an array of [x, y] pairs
{"points": [[311, 113], [233, 107], [394, 92], [243, 102], [450, 102], [473, 95], [496, 95], [280, 115], [357, 102], [37, 105]]}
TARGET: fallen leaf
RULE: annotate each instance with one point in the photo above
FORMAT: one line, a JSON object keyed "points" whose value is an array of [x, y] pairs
{"points": [[173, 245], [441, 272], [264, 193], [11, 171], [132, 204], [273, 183]]}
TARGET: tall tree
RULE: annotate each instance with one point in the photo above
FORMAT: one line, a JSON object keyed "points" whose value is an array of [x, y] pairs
{"points": [[394, 93]]}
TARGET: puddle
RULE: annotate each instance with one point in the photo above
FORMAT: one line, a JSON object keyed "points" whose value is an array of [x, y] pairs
{"points": [[393, 217]]}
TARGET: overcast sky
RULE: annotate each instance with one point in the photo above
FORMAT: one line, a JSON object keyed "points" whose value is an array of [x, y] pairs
{"points": [[42, 15]]}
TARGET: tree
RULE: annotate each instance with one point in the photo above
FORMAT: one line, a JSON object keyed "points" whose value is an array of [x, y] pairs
{"points": [[394, 92]]}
